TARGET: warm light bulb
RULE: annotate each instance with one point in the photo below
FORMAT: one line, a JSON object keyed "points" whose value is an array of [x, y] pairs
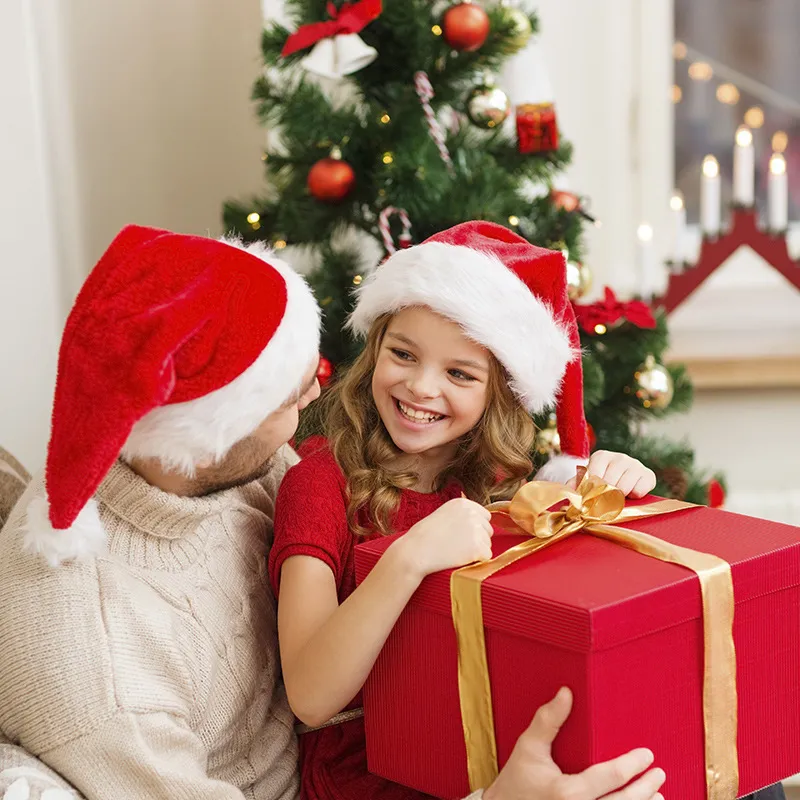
{"points": [[754, 117], [700, 71], [357, 280], [780, 141], [600, 329], [744, 136], [710, 167], [253, 218], [676, 201], [645, 232], [727, 93], [385, 119], [512, 220], [280, 244], [777, 164], [436, 30], [677, 93], [679, 50]]}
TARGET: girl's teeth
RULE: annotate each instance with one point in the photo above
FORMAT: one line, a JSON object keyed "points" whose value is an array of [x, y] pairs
{"points": [[420, 416]]}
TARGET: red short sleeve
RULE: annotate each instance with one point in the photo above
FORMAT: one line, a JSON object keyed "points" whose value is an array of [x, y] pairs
{"points": [[311, 516]]}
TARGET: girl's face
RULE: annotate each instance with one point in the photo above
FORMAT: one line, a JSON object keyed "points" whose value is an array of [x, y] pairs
{"points": [[429, 383]]}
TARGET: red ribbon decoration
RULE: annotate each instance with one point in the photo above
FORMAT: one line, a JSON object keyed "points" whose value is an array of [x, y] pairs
{"points": [[610, 310], [350, 18]]}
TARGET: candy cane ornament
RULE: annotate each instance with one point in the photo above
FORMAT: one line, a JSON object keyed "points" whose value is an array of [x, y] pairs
{"points": [[425, 93], [386, 232]]}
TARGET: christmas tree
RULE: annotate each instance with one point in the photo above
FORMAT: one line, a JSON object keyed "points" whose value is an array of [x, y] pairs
{"points": [[387, 124]]}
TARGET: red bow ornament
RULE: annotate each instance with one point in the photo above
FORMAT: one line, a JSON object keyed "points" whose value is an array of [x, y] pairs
{"points": [[338, 49], [609, 311]]}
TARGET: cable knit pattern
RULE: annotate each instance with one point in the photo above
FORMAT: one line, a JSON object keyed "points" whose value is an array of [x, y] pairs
{"points": [[152, 671]]}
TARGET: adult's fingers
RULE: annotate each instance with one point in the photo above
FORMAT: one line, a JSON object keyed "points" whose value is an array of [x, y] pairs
{"points": [[643, 788], [601, 779], [547, 721]]}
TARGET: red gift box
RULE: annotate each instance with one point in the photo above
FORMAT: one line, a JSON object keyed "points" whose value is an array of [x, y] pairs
{"points": [[537, 130], [624, 631]]}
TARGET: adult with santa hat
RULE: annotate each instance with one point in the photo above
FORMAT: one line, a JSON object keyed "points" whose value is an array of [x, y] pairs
{"points": [[138, 652]]}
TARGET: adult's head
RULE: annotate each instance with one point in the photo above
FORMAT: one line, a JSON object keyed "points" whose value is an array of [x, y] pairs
{"points": [[183, 350]]}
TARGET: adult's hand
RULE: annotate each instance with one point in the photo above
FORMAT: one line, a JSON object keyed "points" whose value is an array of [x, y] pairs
{"points": [[531, 774]]}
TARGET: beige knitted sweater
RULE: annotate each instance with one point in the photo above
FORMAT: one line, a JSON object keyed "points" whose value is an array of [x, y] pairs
{"points": [[152, 672]]}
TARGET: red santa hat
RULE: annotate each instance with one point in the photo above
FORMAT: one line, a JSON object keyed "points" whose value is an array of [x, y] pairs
{"points": [[510, 297], [177, 348]]}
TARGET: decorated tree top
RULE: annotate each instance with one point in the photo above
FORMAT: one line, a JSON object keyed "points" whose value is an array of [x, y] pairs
{"points": [[343, 151], [388, 123]]}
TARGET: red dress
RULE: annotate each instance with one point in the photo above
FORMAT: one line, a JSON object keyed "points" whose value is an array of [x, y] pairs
{"points": [[310, 519]]}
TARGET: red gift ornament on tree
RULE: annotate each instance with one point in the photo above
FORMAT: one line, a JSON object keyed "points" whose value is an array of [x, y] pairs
{"points": [[537, 130], [527, 82]]}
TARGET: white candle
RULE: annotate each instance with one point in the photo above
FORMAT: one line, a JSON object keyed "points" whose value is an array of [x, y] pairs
{"points": [[645, 258], [710, 197], [678, 217], [744, 160], [778, 192]]}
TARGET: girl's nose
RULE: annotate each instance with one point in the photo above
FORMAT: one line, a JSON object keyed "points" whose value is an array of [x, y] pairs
{"points": [[422, 384]]}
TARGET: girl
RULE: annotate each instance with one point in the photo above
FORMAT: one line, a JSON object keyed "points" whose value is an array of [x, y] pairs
{"points": [[467, 334]]}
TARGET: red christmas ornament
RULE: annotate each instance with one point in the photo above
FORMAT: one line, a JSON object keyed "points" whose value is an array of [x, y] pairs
{"points": [[324, 371], [465, 26], [716, 494], [330, 180], [571, 202]]}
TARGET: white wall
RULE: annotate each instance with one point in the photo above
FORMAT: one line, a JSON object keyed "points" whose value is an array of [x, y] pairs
{"points": [[29, 278], [142, 114], [162, 123]]}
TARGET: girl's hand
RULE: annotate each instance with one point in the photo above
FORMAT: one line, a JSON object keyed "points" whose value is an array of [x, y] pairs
{"points": [[457, 533], [616, 469]]}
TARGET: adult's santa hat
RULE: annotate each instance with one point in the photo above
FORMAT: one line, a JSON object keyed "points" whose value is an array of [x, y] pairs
{"points": [[177, 348], [507, 295]]}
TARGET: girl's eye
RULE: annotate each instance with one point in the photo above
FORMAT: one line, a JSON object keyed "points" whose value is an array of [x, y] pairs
{"points": [[401, 354], [461, 376]]}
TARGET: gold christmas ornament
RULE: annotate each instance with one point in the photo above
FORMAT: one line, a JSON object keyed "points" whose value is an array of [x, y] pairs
{"points": [[579, 280], [521, 29], [488, 106], [653, 384], [547, 441]]}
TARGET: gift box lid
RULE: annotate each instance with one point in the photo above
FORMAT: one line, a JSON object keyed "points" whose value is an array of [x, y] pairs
{"points": [[589, 594]]}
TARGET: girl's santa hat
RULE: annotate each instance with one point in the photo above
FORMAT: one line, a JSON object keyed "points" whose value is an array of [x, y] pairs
{"points": [[510, 297], [177, 348]]}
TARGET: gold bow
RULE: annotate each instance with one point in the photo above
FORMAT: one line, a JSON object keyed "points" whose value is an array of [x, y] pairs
{"points": [[591, 508]]}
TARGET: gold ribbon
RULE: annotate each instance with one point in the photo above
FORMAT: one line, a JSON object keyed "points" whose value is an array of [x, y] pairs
{"points": [[591, 508]]}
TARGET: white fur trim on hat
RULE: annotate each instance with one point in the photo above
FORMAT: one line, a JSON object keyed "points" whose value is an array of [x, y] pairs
{"points": [[85, 537], [493, 306], [560, 469], [182, 435]]}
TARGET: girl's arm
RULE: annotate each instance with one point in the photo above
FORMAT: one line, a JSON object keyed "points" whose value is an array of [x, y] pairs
{"points": [[327, 649]]}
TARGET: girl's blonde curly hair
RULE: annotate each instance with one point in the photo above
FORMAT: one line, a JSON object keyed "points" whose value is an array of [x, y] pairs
{"points": [[490, 462]]}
